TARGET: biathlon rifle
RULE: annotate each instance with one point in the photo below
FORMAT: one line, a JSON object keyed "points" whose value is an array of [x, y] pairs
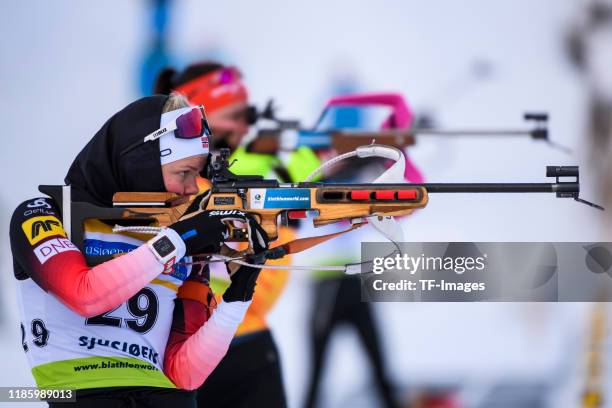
{"points": [[397, 129], [272, 202]]}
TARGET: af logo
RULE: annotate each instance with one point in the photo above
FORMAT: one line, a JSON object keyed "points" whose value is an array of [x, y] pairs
{"points": [[39, 202], [44, 225], [38, 228]]}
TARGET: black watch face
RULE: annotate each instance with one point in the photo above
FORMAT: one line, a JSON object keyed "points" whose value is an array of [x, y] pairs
{"points": [[163, 246]]}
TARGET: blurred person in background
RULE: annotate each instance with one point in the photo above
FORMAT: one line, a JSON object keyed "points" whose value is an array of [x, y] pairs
{"points": [[589, 46], [136, 330], [250, 374], [220, 90], [337, 296]]}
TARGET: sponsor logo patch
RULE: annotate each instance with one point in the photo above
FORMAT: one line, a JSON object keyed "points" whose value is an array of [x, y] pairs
{"points": [[133, 349], [169, 266], [52, 247], [33, 211], [295, 198], [39, 202], [226, 212], [96, 247], [38, 228]]}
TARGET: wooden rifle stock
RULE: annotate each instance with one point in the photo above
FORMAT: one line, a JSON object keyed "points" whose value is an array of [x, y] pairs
{"points": [[328, 204]]}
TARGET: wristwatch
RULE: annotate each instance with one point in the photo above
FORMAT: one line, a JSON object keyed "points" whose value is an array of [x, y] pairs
{"points": [[164, 250]]}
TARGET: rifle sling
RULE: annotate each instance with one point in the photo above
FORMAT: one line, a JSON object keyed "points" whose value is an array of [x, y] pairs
{"points": [[301, 244]]}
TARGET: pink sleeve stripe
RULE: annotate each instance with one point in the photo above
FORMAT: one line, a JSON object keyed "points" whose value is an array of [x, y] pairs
{"points": [[197, 357]]}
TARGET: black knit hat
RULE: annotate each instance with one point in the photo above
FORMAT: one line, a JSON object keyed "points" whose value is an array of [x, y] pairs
{"points": [[99, 171]]}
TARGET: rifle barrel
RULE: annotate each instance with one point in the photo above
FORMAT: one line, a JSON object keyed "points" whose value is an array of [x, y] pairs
{"points": [[563, 189], [502, 187]]}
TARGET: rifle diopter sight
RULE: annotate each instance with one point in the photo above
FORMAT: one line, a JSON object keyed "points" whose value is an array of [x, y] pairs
{"points": [[220, 163], [218, 171]]}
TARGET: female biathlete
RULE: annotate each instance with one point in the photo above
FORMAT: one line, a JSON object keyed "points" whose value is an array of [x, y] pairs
{"points": [[133, 331], [250, 373]]}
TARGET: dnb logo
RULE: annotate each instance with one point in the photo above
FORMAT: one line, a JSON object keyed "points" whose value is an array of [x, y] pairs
{"points": [[52, 247], [38, 228]]}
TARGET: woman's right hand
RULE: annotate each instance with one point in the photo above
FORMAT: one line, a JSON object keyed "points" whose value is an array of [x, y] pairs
{"points": [[205, 231]]}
